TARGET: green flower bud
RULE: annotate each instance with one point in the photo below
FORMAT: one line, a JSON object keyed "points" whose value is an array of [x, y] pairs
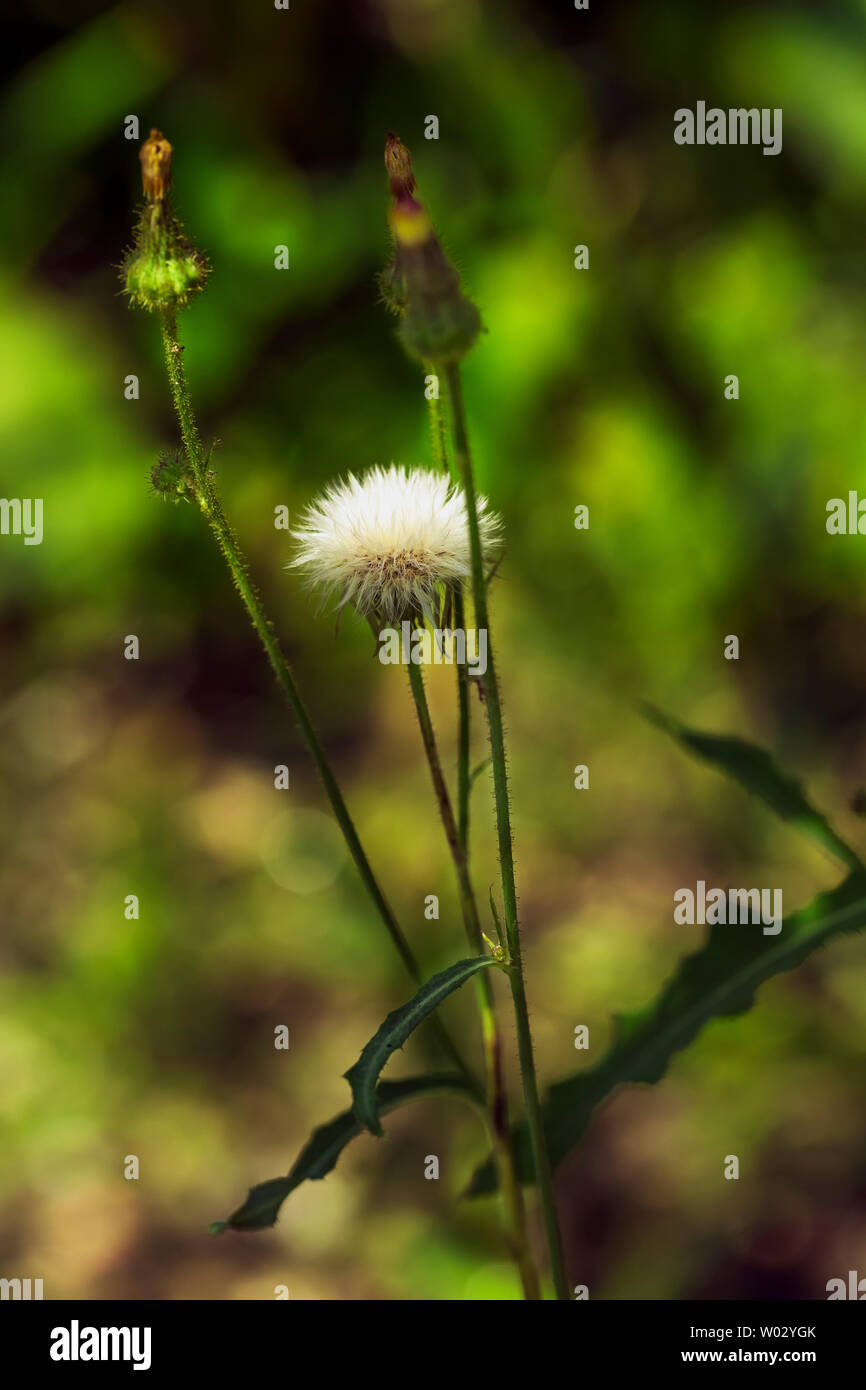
{"points": [[171, 478], [439, 323], [162, 269], [439, 329]]}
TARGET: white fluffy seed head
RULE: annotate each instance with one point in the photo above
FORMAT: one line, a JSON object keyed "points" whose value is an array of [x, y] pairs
{"points": [[388, 541]]}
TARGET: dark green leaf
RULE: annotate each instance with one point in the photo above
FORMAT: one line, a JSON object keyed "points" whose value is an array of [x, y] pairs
{"points": [[399, 1024], [319, 1155], [755, 770], [718, 981]]}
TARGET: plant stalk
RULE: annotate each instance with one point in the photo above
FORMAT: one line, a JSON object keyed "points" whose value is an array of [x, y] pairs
{"points": [[463, 777], [438, 436], [500, 1131], [541, 1157], [211, 505]]}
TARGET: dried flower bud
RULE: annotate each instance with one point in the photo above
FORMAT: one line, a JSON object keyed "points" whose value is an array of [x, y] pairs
{"points": [[398, 162], [439, 323], [155, 156], [162, 269]]}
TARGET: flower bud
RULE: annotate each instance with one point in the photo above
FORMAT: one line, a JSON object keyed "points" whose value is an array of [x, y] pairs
{"points": [[172, 479], [439, 323], [162, 269]]}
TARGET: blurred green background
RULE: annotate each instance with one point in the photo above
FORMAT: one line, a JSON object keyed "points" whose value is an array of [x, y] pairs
{"points": [[155, 1037]]}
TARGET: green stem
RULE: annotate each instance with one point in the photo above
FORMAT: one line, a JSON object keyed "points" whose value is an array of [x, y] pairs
{"points": [[211, 505], [463, 779], [534, 1118], [500, 1131], [440, 458], [437, 425]]}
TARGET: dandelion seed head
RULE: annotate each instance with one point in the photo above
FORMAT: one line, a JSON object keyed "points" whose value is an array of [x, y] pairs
{"points": [[388, 541]]}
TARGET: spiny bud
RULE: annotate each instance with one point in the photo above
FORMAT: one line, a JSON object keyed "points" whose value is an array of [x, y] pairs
{"points": [[162, 269], [171, 478], [439, 323]]}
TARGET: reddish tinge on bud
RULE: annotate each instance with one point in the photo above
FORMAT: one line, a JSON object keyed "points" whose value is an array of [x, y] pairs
{"points": [[438, 323], [155, 156]]}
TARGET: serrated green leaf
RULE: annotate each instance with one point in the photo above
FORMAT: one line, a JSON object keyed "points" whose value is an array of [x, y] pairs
{"points": [[320, 1153], [755, 770], [399, 1024], [716, 982]]}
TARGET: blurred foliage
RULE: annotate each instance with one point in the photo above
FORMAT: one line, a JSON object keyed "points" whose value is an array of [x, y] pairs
{"points": [[602, 387]]}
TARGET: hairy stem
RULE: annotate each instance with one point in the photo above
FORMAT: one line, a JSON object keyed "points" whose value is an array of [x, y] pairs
{"points": [[535, 1123], [497, 1102], [211, 506], [439, 439], [500, 1132], [438, 436], [463, 779]]}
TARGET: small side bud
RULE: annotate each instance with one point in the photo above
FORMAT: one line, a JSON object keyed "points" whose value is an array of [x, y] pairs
{"points": [[171, 478]]}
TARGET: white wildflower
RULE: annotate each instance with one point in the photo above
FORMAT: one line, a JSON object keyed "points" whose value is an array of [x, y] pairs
{"points": [[388, 541]]}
